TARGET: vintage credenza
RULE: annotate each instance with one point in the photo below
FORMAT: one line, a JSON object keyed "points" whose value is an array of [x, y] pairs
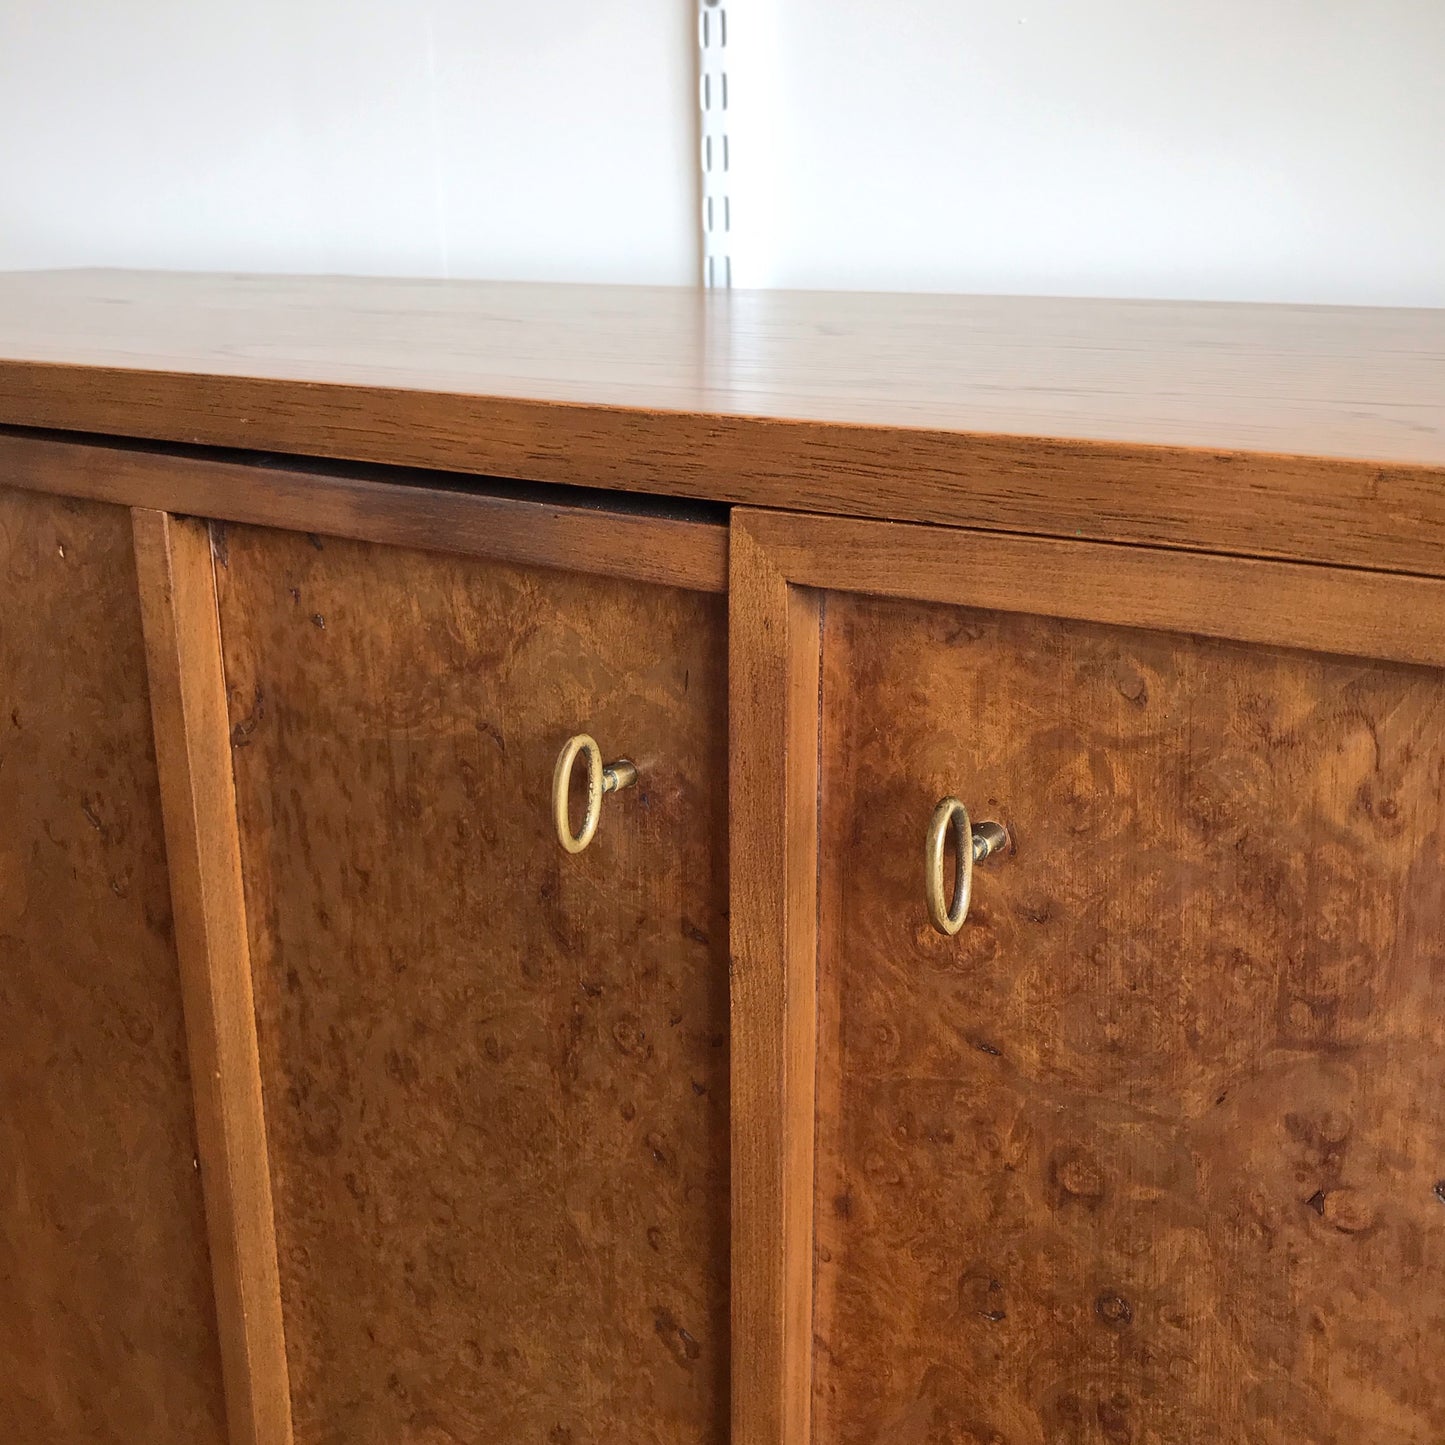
{"points": [[604, 866]]}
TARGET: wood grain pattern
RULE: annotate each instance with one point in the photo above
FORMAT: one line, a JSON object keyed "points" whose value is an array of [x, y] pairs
{"points": [[560, 531], [496, 1075], [1153, 1150], [107, 1325], [198, 800], [773, 651], [1328, 609], [1313, 432]]}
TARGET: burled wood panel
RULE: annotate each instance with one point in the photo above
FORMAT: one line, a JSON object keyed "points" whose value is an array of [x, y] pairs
{"points": [[495, 1074], [107, 1325], [1154, 1150]]}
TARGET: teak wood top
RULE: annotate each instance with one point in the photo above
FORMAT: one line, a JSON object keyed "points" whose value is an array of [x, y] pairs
{"points": [[1313, 432]]}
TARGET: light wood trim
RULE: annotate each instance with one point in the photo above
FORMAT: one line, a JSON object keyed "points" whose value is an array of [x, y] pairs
{"points": [[773, 651], [611, 542], [193, 755], [1282, 604]]}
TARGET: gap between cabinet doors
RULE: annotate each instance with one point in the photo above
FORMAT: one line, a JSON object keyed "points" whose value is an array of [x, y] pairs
{"points": [[186, 676], [782, 566]]}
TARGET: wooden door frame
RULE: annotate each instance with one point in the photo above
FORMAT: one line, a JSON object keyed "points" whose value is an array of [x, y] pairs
{"points": [[782, 566]]}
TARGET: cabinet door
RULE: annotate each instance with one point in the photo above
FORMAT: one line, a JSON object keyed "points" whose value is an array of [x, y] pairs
{"points": [[1153, 1148], [495, 1073], [107, 1324]]}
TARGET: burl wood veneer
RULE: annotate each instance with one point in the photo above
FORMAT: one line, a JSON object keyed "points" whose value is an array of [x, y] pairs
{"points": [[107, 1325], [495, 1075], [1154, 1149]]}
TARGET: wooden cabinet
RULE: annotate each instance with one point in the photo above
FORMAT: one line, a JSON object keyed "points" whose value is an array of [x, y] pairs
{"points": [[342, 1102]]}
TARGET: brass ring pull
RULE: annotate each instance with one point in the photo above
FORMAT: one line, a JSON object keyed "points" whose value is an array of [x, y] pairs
{"points": [[601, 778], [972, 844]]}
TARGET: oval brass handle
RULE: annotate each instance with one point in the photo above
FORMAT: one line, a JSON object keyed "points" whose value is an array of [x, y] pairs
{"points": [[601, 778], [973, 842]]}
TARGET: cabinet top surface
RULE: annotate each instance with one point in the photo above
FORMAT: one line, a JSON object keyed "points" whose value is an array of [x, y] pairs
{"points": [[1337, 382], [1304, 431]]}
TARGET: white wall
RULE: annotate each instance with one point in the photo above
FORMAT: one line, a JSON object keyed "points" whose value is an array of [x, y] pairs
{"points": [[550, 139], [1273, 149], [1240, 149]]}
